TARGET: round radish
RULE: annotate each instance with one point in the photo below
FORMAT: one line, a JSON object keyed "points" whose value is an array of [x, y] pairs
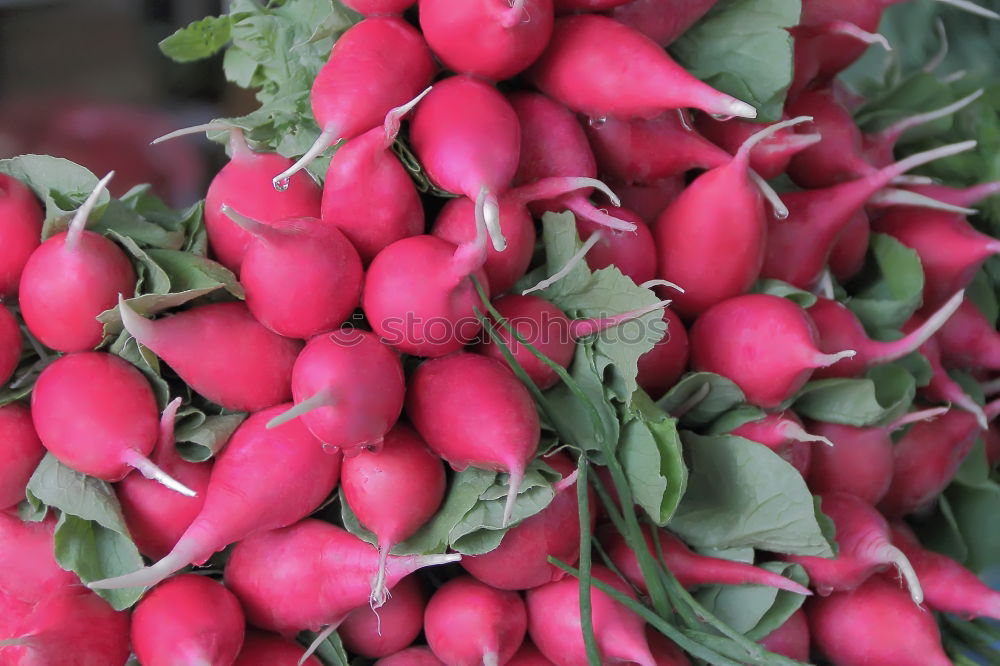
{"points": [[783, 433], [29, 572], [20, 232], [847, 257], [649, 201], [791, 639], [662, 366], [663, 21], [10, 344], [415, 656], [264, 649], [392, 627], [20, 452], [376, 7], [968, 339], [633, 252]]}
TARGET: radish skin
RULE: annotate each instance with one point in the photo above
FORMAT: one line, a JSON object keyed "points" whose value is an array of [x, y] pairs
{"points": [[969, 340], [791, 639], [663, 365], [380, 633], [265, 649], [771, 157], [415, 656], [663, 21], [528, 655], [784, 434], [20, 452], [379, 7], [20, 230], [10, 344], [28, 568]]}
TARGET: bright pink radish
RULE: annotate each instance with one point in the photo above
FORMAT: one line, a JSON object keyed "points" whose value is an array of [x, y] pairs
{"points": [[28, 569], [472, 410], [156, 516], [790, 639], [838, 157], [70, 627], [310, 575], [633, 252], [375, 7], [376, 65], [379, 633], [265, 649], [566, 6], [555, 627], [770, 157], [20, 452], [663, 21], [847, 257], [959, 196], [839, 329], [415, 656], [301, 276], [864, 549], [528, 655], [691, 569], [393, 492], [491, 39], [188, 619], [664, 650], [520, 562], [265, 478], [648, 201], [969, 340], [831, 36], [20, 232], [766, 344], [663, 365], [860, 461], [10, 344], [221, 352], [471, 624], [876, 623], [71, 278], [783, 433]]}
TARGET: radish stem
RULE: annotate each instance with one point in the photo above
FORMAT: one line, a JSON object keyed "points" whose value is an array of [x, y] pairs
{"points": [[79, 222]]}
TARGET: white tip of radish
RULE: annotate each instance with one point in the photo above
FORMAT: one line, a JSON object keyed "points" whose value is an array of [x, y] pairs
{"points": [[322, 636], [942, 52], [79, 221], [395, 116], [491, 215], [769, 131], [515, 478], [892, 555], [326, 139], [908, 180], [248, 224], [968, 404], [826, 360], [972, 8], [151, 471], [914, 417], [739, 109], [379, 593], [565, 270], [797, 433], [825, 286], [581, 207], [649, 284], [991, 388], [894, 197], [182, 555], [214, 126], [777, 205], [321, 399], [491, 659]]}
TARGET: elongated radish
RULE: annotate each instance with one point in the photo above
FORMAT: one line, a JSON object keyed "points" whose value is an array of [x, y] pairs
{"points": [[10, 344], [380, 633], [648, 201], [847, 257], [20, 452], [791, 639], [29, 571], [634, 253], [664, 650], [959, 196], [414, 656], [378, 7], [265, 478], [265, 649], [770, 157], [663, 21], [20, 232], [839, 154], [784, 434], [662, 366], [969, 340]]}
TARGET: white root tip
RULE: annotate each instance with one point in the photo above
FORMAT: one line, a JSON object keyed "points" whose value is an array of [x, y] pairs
{"points": [[326, 139], [515, 478], [892, 555], [895, 130], [395, 116], [907, 180], [863, 36], [321, 399], [491, 659], [739, 109], [582, 207], [968, 404], [894, 197], [797, 433], [79, 222], [245, 222], [322, 636], [603, 187], [777, 205], [214, 126], [491, 215], [379, 593], [826, 360], [919, 159], [151, 471], [914, 417], [769, 131], [825, 286], [972, 8], [565, 270], [183, 554], [649, 284]]}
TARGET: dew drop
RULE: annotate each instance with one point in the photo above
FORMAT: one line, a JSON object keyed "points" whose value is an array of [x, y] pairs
{"points": [[598, 122], [282, 184]]}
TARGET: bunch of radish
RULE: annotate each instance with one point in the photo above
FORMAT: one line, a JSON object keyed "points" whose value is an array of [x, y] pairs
{"points": [[378, 346]]}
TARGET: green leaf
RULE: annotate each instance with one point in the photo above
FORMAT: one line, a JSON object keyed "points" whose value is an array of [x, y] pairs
{"points": [[885, 393], [734, 418], [975, 512], [200, 437], [330, 652], [755, 610], [702, 397], [189, 272], [741, 493], [574, 417], [982, 294], [61, 185], [124, 221], [890, 288], [941, 533], [198, 40], [801, 297], [127, 348]]}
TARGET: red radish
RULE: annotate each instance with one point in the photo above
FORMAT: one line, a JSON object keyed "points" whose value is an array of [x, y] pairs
{"points": [[860, 461], [791, 639], [839, 155], [663, 365], [770, 157], [730, 219], [648, 201], [302, 277], [584, 67], [468, 623], [10, 344], [691, 569], [188, 619], [392, 627], [393, 492], [520, 562], [566, 6], [665, 651], [663, 21], [969, 340], [348, 388], [97, 414], [764, 343], [20, 232], [70, 627], [633, 252], [491, 39], [310, 575], [415, 656], [221, 351], [264, 649], [71, 278], [376, 65], [263, 479], [28, 568], [528, 655], [375, 7], [472, 410], [959, 196], [555, 627], [863, 538], [847, 257], [20, 452], [783, 433], [368, 194], [876, 623], [830, 36], [157, 517]]}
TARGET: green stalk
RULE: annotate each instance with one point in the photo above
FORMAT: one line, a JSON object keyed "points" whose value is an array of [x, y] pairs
{"points": [[586, 614]]}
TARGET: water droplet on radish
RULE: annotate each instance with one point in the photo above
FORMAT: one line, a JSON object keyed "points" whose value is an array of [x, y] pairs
{"points": [[331, 449], [282, 184], [781, 214], [598, 122]]}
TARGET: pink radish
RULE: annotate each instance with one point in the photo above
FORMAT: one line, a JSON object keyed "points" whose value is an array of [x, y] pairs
{"points": [[584, 68], [264, 479], [188, 619], [264, 649], [393, 492], [860, 461], [20, 452], [221, 351], [415, 656], [302, 277], [664, 650], [376, 7], [528, 655], [28, 568], [969, 340], [376, 65], [839, 155], [766, 344], [348, 389], [71, 278], [648, 201], [566, 6], [116, 404], [663, 21], [491, 39], [157, 517], [791, 639], [783, 433], [20, 232], [864, 548], [959, 196], [883, 625], [555, 627], [468, 623], [634, 253], [770, 157], [847, 257], [520, 562], [472, 410], [830, 37], [663, 365], [392, 627], [10, 344]]}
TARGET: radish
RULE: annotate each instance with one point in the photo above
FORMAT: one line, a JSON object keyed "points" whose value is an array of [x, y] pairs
{"points": [[864, 548], [766, 344], [376, 65], [847, 256], [468, 623], [876, 623], [566, 6], [348, 389], [838, 156], [663, 365], [791, 639], [264, 649], [20, 232], [20, 452], [648, 201], [302, 277], [393, 492], [28, 568], [491, 39], [97, 414], [969, 340], [376, 7], [664, 650], [783, 433], [415, 656], [596, 66], [71, 278], [770, 157], [221, 351], [157, 517], [10, 344], [959, 196], [392, 627], [528, 655], [860, 462], [830, 36], [264, 479], [663, 21], [188, 619], [521, 562], [555, 627], [634, 253]]}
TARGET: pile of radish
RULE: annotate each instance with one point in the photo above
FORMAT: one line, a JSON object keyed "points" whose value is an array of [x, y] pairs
{"points": [[527, 345]]}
